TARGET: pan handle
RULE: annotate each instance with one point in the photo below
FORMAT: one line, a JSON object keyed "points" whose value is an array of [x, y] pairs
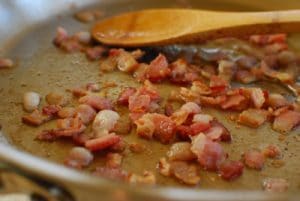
{"points": [[15, 182]]}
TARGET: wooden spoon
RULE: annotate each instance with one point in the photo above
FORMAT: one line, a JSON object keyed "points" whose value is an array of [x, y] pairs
{"points": [[166, 26]]}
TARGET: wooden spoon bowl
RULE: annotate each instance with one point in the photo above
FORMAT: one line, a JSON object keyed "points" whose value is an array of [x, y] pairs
{"points": [[167, 26]]}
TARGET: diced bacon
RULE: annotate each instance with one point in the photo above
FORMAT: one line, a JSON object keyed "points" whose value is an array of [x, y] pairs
{"points": [[93, 87], [31, 101], [181, 151], [126, 62], [95, 53], [36, 118], [169, 110], [96, 102], [148, 178], [108, 64], [203, 118], [257, 97], [61, 35], [125, 94], [119, 147], [280, 110], [145, 126], [200, 88], [272, 151], [103, 142], [217, 84], [78, 92], [105, 121], [275, 185], [140, 72], [6, 63], [188, 174], [158, 69], [135, 115], [66, 112], [70, 45], [213, 101], [55, 98], [233, 101], [137, 54], [51, 110], [210, 154], [253, 117], [181, 73], [245, 76], [139, 103], [79, 157], [113, 160], [164, 128], [80, 138], [199, 127], [123, 126], [184, 132], [150, 90], [86, 113], [268, 39], [286, 121], [164, 167], [69, 123], [226, 69], [112, 173], [218, 132], [254, 159], [231, 170], [277, 100], [191, 108]]}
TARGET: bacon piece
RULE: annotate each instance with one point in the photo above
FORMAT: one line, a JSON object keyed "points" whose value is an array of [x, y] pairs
{"points": [[150, 90], [181, 73], [6, 63], [199, 127], [217, 84], [78, 92], [112, 173], [103, 142], [95, 53], [139, 103], [181, 115], [80, 138], [218, 132], [55, 98], [268, 39], [169, 110], [286, 121], [105, 121], [35, 118], [200, 88], [86, 113], [245, 77], [140, 72], [275, 185], [66, 112], [254, 159], [164, 167], [210, 154], [78, 157], [181, 151], [158, 69], [126, 62], [231, 170], [96, 102], [188, 174], [125, 94], [51, 110], [113, 160], [277, 100], [164, 127], [119, 147], [203, 118], [31, 101], [253, 117], [61, 35], [226, 69], [233, 101], [213, 101], [123, 126], [108, 64], [257, 97], [148, 178], [272, 151]]}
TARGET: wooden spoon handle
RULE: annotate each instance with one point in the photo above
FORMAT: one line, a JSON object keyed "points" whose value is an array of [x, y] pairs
{"points": [[166, 26]]}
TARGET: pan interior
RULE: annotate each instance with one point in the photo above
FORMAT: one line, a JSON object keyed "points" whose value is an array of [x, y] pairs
{"points": [[43, 68]]}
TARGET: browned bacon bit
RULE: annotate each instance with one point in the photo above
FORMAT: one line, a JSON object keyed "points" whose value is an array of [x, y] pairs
{"points": [[66, 112], [233, 101], [71, 45], [272, 151], [226, 69], [217, 84], [108, 64], [119, 147], [181, 115], [78, 92], [123, 126], [137, 147], [97, 102], [113, 160], [86, 113], [231, 170], [79, 157], [80, 138], [55, 98], [139, 103], [158, 69], [112, 173], [254, 159], [6, 63], [140, 72], [286, 121], [148, 178], [276, 185], [268, 39], [184, 172], [277, 100], [257, 96], [125, 94], [245, 77], [68, 127], [93, 87], [137, 54], [201, 88], [164, 128], [36, 118], [95, 53], [61, 35], [210, 154], [89, 15], [125, 61], [103, 142], [218, 132], [253, 117], [169, 110], [213, 101], [181, 73], [51, 110], [164, 167], [181, 151]]}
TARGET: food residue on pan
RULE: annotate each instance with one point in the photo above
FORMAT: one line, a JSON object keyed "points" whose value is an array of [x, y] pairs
{"points": [[98, 123]]}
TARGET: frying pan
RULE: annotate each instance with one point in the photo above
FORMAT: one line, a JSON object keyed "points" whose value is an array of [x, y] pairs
{"points": [[27, 28]]}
